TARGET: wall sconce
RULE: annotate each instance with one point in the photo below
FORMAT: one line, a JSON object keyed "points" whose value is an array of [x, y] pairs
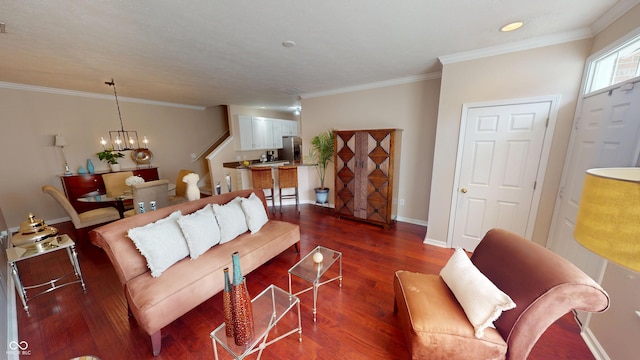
{"points": [[61, 142]]}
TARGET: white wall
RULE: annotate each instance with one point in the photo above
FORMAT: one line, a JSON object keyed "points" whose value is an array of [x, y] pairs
{"points": [[552, 70], [411, 107], [31, 117]]}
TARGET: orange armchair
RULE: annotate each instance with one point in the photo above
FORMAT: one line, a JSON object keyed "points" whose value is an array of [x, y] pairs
{"points": [[543, 285]]}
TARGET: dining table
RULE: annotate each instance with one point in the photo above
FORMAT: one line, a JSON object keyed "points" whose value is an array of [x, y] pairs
{"points": [[121, 203]]}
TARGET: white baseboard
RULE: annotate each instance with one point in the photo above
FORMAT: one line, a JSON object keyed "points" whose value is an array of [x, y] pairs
{"points": [[593, 344], [412, 221], [308, 202], [434, 242]]}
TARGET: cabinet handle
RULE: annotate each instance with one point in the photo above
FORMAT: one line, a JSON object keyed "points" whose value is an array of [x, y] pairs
{"points": [[463, 190]]}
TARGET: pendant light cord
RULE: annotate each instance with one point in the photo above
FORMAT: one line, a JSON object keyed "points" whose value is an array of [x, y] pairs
{"points": [[112, 83]]}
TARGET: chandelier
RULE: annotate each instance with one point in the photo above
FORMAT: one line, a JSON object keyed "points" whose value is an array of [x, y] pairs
{"points": [[122, 139]]}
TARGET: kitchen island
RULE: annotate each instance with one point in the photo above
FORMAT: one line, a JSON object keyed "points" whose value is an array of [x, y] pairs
{"points": [[307, 179]]}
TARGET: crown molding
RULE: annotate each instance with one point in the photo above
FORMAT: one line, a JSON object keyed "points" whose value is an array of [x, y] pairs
{"points": [[619, 9], [48, 90], [375, 85], [528, 44]]}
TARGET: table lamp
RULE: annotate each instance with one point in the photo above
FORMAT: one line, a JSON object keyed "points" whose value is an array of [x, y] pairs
{"points": [[608, 221], [61, 142]]}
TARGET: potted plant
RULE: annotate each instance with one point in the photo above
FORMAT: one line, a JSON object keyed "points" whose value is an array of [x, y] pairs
{"points": [[322, 152], [111, 157]]}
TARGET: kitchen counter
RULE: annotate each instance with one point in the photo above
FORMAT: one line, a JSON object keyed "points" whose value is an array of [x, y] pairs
{"points": [[236, 165], [307, 177]]}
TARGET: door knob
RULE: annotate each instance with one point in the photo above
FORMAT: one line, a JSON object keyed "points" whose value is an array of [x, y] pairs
{"points": [[463, 190]]}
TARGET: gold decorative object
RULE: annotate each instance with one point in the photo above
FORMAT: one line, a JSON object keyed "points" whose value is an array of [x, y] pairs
{"points": [[34, 232]]}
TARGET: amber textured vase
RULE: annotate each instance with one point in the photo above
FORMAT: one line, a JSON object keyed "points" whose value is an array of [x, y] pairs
{"points": [[226, 304], [241, 310]]}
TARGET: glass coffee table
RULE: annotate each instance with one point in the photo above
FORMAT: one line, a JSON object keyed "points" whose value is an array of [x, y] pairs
{"points": [[311, 271], [269, 307]]}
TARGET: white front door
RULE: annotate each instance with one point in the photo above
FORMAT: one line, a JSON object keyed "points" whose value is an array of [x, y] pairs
{"points": [[497, 170], [606, 134]]}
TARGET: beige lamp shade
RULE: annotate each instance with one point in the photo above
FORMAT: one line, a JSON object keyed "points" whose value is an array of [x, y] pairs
{"points": [[608, 221]]}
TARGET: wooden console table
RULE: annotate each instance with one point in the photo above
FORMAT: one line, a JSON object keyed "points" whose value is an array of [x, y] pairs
{"points": [[76, 186]]}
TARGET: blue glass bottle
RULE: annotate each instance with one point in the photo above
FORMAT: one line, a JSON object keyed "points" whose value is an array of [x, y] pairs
{"points": [[90, 167]]}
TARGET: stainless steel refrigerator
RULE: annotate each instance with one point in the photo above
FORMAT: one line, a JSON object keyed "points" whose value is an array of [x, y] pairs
{"points": [[291, 149]]}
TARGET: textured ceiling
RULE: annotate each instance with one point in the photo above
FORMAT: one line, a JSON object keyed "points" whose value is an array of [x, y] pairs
{"points": [[230, 52]]}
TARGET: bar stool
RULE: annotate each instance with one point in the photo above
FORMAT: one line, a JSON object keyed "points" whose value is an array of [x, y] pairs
{"points": [[261, 178], [288, 178]]}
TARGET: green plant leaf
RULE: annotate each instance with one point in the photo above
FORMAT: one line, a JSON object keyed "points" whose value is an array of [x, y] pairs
{"points": [[322, 149]]}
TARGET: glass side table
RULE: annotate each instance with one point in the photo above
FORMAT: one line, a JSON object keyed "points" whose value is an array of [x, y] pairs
{"points": [[308, 270], [269, 307], [18, 253]]}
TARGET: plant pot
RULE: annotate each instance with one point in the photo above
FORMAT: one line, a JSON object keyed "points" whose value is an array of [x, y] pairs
{"points": [[114, 167], [322, 195]]}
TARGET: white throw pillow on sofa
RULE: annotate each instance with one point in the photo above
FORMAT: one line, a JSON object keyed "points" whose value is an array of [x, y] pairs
{"points": [[231, 220], [254, 212], [161, 243], [480, 299], [201, 231]]}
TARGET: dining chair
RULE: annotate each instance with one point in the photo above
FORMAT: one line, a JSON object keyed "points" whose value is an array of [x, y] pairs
{"points": [[262, 178], [82, 222], [145, 193], [181, 188], [288, 178], [115, 184]]}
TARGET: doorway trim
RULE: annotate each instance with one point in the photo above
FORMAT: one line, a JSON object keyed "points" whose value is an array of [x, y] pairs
{"points": [[554, 101]]}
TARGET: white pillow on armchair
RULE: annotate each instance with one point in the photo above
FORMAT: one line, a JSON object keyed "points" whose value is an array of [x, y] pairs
{"points": [[480, 299]]}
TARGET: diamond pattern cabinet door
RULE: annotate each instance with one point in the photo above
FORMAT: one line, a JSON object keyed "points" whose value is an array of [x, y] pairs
{"points": [[366, 161], [362, 171], [345, 172]]}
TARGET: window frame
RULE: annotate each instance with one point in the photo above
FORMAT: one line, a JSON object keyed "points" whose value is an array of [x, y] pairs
{"points": [[613, 50]]}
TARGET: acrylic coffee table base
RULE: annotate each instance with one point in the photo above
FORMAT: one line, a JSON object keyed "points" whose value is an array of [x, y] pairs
{"points": [[308, 270], [269, 307]]}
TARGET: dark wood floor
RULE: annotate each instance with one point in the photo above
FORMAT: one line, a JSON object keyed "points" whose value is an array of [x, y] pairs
{"points": [[354, 322]]}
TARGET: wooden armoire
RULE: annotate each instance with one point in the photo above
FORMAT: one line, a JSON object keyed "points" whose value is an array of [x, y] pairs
{"points": [[367, 164]]}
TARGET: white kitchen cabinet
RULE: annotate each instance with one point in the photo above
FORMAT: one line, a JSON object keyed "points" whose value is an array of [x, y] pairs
{"points": [[276, 125], [289, 128], [245, 132], [260, 133]]}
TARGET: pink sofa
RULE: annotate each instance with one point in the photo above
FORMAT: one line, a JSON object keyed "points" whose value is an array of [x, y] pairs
{"points": [[543, 285], [156, 302]]}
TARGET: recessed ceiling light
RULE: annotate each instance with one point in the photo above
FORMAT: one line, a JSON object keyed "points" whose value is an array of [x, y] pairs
{"points": [[289, 43], [512, 26]]}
